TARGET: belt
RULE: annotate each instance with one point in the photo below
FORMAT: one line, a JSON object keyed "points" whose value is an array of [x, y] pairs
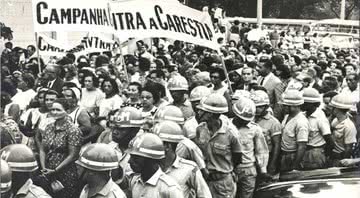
{"points": [[308, 147], [287, 152], [216, 176]]}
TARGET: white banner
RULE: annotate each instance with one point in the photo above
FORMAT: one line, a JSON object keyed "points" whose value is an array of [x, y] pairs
{"points": [[150, 18], [126, 19], [50, 47], [71, 15]]}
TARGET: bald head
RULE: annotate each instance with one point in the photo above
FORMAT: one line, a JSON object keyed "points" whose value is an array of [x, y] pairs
{"points": [[51, 72]]}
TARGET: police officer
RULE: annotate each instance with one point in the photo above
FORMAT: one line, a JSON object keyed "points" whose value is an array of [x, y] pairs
{"points": [[254, 150], [149, 180], [319, 131], [94, 166], [270, 126], [344, 131], [22, 163], [185, 172], [178, 87], [5, 179], [186, 148], [221, 144], [295, 131]]}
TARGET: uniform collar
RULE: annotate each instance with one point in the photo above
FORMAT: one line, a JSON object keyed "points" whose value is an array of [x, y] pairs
{"points": [[176, 163], [25, 188], [106, 189], [315, 113], [155, 178]]}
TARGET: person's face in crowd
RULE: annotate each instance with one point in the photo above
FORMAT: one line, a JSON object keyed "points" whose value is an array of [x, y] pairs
{"points": [[262, 40], [92, 60], [178, 96], [255, 51], [41, 99], [247, 75], [88, 82], [133, 92], [152, 67], [232, 44], [118, 133], [57, 111], [22, 85], [107, 88], [292, 61], [341, 58], [49, 100], [349, 70], [196, 110], [322, 57], [166, 72], [292, 51], [333, 66], [137, 163], [30, 51], [155, 78], [311, 63], [304, 64], [327, 108], [147, 99], [215, 78], [50, 73], [262, 71], [194, 57], [235, 77], [232, 54], [261, 110], [351, 82], [336, 72]]}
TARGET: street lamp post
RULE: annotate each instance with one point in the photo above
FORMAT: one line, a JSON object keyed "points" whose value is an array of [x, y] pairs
{"points": [[342, 11]]}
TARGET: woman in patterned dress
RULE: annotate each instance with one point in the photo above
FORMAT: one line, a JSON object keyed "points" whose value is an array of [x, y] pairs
{"points": [[59, 150]]}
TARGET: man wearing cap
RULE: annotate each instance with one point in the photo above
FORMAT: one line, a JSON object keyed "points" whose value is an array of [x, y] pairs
{"points": [[148, 180], [221, 145], [185, 172], [22, 163], [270, 126], [344, 131], [319, 131], [94, 166], [295, 131]]}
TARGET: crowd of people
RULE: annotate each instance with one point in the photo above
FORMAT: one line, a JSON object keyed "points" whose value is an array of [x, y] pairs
{"points": [[175, 119]]}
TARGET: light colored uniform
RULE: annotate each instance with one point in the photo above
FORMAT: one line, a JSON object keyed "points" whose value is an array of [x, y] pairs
{"points": [[159, 185], [294, 131], [189, 127], [253, 150], [270, 127], [189, 177], [343, 133], [220, 149], [29, 190], [186, 109], [187, 149], [110, 190], [314, 157]]}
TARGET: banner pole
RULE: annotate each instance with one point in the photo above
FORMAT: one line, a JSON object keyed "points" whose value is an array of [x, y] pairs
{"points": [[226, 73], [37, 52]]}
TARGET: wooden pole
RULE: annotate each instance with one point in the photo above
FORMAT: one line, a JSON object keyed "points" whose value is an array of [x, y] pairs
{"points": [[226, 73], [37, 52]]}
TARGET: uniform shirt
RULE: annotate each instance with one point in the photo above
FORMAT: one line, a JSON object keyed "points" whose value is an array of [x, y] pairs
{"points": [[270, 127], [319, 127], [29, 190], [253, 146], [294, 131], [186, 109], [343, 133], [110, 190], [187, 149], [221, 147], [159, 185], [189, 127], [189, 177]]}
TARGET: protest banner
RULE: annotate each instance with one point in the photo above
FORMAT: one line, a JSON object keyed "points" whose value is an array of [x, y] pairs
{"points": [[162, 19], [50, 47], [98, 42], [69, 15]]}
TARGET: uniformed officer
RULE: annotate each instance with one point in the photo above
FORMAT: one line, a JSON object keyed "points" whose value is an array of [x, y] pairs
{"points": [[221, 144], [270, 126], [343, 129], [319, 131], [178, 86], [149, 180], [185, 172], [124, 126], [94, 166], [295, 131], [186, 148], [22, 163], [5, 179], [254, 150]]}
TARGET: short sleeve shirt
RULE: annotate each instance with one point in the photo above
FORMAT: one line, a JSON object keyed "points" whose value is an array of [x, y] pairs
{"points": [[294, 131], [344, 133], [270, 127], [221, 146], [110, 190], [319, 127]]}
